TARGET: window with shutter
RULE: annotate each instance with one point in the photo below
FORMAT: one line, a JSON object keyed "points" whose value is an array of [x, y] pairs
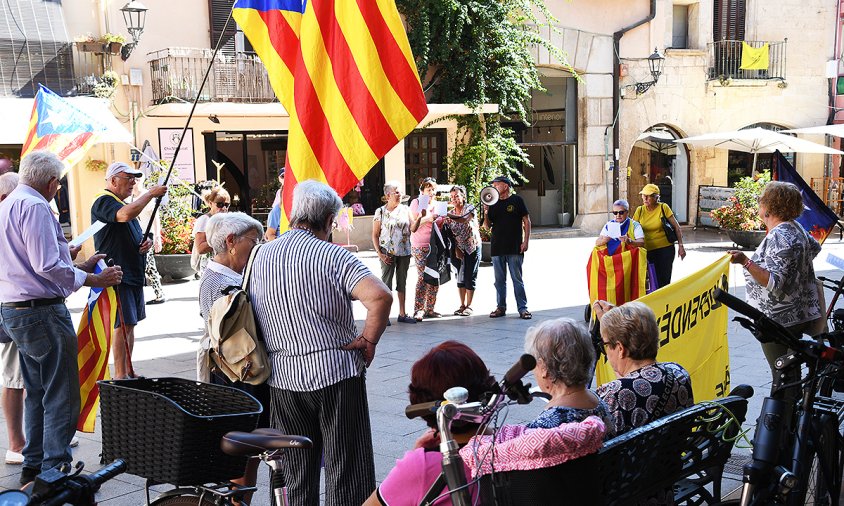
{"points": [[233, 40], [728, 20]]}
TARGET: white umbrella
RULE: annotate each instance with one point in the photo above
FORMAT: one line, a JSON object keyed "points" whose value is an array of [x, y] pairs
{"points": [[758, 140], [835, 130]]}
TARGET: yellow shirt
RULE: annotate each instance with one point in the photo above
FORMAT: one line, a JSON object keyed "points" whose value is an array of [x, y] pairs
{"points": [[651, 222]]}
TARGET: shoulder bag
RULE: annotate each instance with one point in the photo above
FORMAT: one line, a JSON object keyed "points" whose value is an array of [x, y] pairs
{"points": [[670, 233], [237, 348]]}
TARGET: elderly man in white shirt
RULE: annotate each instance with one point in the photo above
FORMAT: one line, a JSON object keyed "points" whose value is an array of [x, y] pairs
{"points": [[622, 227]]}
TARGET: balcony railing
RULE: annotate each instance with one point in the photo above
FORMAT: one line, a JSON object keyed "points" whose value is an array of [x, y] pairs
{"points": [[58, 65], [176, 73], [725, 60]]}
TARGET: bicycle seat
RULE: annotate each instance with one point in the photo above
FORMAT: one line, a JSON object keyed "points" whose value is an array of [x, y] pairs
{"points": [[250, 444]]}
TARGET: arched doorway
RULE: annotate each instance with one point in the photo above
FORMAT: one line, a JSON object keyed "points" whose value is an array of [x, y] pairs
{"points": [[656, 158]]}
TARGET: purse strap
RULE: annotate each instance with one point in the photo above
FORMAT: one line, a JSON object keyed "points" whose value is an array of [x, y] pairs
{"points": [[248, 271]]}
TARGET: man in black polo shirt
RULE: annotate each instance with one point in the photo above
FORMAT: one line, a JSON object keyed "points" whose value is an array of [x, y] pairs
{"points": [[122, 240], [508, 217]]}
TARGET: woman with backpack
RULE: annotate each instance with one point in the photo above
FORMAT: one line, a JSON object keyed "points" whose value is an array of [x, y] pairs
{"points": [[660, 247]]}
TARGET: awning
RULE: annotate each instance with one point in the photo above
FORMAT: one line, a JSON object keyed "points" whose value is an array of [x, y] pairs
{"points": [[17, 111]]}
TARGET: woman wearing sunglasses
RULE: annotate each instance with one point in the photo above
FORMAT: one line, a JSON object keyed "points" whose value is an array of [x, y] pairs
{"points": [[218, 201], [631, 231]]}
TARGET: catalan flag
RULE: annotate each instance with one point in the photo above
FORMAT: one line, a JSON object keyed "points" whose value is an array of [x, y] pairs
{"points": [[817, 218], [94, 336], [57, 126], [344, 72], [616, 278]]}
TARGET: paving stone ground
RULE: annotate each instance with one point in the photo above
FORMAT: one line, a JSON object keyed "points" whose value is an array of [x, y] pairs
{"points": [[555, 281]]}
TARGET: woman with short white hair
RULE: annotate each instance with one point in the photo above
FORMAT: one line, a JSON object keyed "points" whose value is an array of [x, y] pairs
{"points": [[631, 232], [391, 239]]}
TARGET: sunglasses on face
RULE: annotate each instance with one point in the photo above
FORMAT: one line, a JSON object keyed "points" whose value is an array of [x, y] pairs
{"points": [[222, 205], [619, 213]]}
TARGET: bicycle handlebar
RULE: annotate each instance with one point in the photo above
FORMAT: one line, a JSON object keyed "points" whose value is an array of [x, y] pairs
{"points": [[422, 409], [80, 486], [524, 365]]}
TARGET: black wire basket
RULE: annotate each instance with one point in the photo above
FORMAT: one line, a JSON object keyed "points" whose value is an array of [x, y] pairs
{"points": [[168, 430]]}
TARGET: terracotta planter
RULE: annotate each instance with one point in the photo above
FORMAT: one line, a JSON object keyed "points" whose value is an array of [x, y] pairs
{"points": [[175, 266], [747, 239]]}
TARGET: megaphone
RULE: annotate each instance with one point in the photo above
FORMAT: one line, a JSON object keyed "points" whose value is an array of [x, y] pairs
{"points": [[489, 196]]}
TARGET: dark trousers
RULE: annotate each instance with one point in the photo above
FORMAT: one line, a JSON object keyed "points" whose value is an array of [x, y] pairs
{"points": [[663, 260], [336, 419]]}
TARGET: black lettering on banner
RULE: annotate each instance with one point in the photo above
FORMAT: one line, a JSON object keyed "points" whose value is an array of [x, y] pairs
{"points": [[665, 326], [676, 322], [694, 306], [723, 388]]}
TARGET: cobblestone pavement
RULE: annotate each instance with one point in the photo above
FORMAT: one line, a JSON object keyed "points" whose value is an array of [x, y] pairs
{"points": [[555, 280]]}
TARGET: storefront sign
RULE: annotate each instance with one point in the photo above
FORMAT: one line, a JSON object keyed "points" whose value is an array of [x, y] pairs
{"points": [[709, 198], [185, 166]]}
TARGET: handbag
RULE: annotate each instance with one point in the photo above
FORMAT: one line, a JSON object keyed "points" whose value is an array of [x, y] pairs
{"points": [[237, 349], [670, 233]]}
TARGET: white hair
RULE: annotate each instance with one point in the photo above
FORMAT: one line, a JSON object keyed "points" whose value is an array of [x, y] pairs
{"points": [[38, 167], [313, 204], [391, 185], [8, 182], [565, 347], [622, 203], [222, 225]]}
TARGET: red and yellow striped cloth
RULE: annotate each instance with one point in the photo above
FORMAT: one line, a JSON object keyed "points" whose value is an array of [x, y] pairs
{"points": [[94, 336], [344, 72], [617, 278]]}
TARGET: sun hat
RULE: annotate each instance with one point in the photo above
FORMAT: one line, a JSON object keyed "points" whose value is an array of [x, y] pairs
{"points": [[650, 189], [117, 167]]}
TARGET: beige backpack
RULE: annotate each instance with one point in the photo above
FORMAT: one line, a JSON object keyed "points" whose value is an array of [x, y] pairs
{"points": [[237, 348]]}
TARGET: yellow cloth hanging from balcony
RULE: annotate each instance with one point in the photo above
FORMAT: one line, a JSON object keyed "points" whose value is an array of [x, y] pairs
{"points": [[754, 58]]}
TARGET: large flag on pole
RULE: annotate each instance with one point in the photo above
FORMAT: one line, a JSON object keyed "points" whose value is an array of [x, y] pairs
{"points": [[57, 126], [344, 72], [94, 337], [817, 218]]}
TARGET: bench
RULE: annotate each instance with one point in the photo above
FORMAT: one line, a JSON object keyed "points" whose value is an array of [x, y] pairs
{"points": [[686, 450]]}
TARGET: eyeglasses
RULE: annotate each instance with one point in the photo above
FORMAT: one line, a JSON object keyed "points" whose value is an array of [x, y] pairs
{"points": [[604, 345], [619, 213], [222, 205], [127, 178]]}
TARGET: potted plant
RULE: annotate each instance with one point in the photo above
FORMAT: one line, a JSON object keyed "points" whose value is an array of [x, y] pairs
{"points": [[486, 247], [112, 42], [108, 43], [96, 165], [106, 84], [176, 215], [740, 218]]}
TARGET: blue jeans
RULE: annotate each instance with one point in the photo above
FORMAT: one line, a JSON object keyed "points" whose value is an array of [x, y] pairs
{"points": [[514, 264], [48, 347]]}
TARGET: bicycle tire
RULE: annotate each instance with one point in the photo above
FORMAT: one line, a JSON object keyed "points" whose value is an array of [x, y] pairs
{"points": [[183, 500], [828, 451]]}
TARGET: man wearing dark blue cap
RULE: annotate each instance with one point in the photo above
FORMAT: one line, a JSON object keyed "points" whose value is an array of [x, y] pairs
{"points": [[510, 222]]}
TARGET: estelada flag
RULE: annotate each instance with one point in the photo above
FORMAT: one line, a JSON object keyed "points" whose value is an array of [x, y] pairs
{"points": [[817, 218], [616, 278], [57, 126], [94, 337], [344, 72]]}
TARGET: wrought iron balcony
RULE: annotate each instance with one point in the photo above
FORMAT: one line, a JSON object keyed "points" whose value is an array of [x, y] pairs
{"points": [[61, 66], [725, 60], [176, 74]]}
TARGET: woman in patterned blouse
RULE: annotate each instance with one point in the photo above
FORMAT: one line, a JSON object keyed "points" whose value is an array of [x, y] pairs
{"points": [[780, 277], [564, 358], [645, 389], [467, 255]]}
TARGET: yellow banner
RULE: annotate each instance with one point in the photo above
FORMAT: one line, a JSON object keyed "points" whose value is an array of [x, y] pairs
{"points": [[692, 330], [754, 58]]}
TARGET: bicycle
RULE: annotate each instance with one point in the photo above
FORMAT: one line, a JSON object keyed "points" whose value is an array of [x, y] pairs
{"points": [[265, 444], [511, 390], [61, 485], [803, 464]]}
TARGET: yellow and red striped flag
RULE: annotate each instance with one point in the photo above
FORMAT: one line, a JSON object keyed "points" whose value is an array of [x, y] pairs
{"points": [[57, 126], [94, 336], [616, 278], [344, 72]]}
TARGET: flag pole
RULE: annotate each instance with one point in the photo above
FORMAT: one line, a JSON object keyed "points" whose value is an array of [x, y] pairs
{"points": [[187, 123]]}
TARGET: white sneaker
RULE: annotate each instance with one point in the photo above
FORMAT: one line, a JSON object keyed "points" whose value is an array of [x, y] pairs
{"points": [[14, 458], [74, 442]]}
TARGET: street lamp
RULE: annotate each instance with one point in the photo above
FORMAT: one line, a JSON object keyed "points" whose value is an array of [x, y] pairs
{"points": [[655, 62], [135, 16]]}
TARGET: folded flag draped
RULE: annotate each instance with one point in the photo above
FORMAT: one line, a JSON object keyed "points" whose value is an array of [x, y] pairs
{"points": [[344, 72], [57, 126], [616, 278], [817, 218], [754, 58], [94, 335]]}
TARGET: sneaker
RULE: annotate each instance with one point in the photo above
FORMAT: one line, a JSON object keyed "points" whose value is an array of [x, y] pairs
{"points": [[74, 442], [28, 475], [419, 315], [14, 458], [388, 323], [156, 301], [406, 319]]}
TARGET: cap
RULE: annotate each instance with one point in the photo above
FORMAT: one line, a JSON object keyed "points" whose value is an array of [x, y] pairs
{"points": [[503, 179], [281, 171], [117, 167], [650, 189]]}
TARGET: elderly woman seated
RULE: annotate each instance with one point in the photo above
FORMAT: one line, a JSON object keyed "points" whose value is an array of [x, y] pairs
{"points": [[645, 389], [564, 359]]}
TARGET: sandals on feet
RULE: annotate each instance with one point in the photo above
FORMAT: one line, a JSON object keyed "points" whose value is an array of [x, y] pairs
{"points": [[467, 311], [498, 313], [525, 315], [433, 314], [459, 312]]}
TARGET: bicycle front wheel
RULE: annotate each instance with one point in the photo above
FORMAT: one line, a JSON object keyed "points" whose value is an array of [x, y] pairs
{"points": [[183, 500], [824, 480]]}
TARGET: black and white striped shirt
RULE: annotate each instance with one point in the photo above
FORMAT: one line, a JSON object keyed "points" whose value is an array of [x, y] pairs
{"points": [[301, 292]]}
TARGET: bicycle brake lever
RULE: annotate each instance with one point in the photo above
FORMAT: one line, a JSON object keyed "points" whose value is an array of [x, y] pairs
{"points": [[749, 325]]}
